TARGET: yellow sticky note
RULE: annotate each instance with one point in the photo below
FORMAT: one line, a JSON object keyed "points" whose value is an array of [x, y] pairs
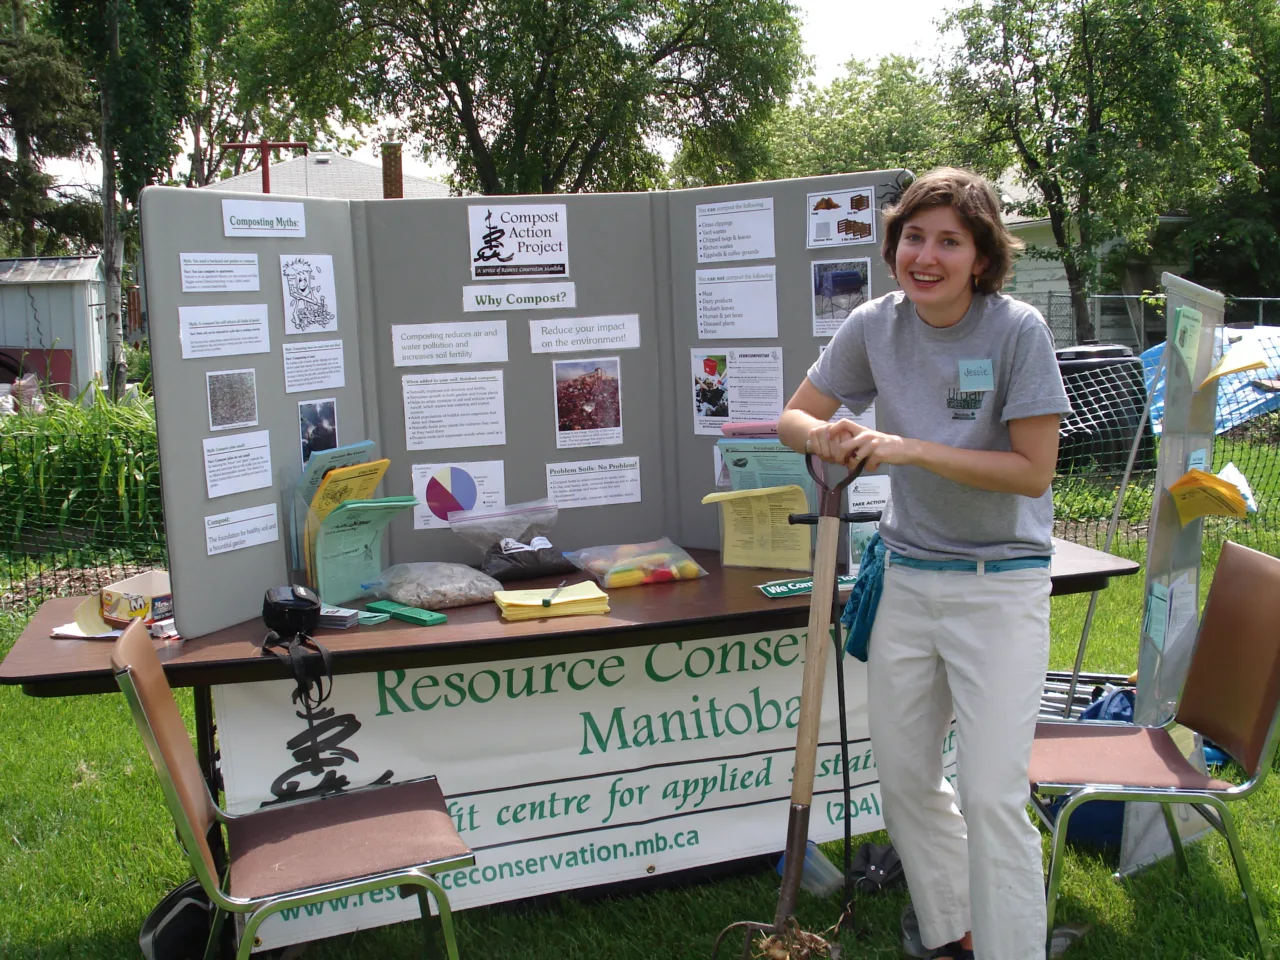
{"points": [[755, 531], [1245, 355]]}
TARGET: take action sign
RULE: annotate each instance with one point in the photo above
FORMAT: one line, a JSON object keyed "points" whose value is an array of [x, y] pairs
{"points": [[562, 771]]}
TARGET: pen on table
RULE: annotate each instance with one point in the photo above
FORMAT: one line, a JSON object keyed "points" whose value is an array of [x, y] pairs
{"points": [[546, 601]]}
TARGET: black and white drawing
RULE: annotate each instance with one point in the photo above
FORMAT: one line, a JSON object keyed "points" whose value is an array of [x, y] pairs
{"points": [[310, 297]]}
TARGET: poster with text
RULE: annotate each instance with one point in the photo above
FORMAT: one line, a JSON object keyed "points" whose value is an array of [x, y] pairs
{"points": [[236, 463], [223, 330], [737, 303], [482, 298], [264, 218], [735, 230], [841, 217], [442, 488], [735, 386], [444, 410], [436, 344], [525, 240], [588, 402], [219, 272], [594, 483], [612, 764], [838, 287], [310, 297]]}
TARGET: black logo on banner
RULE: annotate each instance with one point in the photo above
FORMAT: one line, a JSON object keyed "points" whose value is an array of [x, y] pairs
{"points": [[318, 754], [964, 404]]}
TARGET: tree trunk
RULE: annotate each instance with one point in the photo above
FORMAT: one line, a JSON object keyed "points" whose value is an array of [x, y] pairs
{"points": [[27, 169], [112, 235], [1079, 301]]}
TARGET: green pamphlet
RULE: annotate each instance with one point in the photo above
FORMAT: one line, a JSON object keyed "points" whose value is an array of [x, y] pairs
{"points": [[348, 546]]}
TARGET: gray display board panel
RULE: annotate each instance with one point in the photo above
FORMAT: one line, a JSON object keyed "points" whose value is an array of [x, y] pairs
{"points": [[406, 262], [793, 260], [226, 588]]}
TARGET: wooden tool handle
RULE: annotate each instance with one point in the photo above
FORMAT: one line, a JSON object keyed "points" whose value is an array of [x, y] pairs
{"points": [[815, 660]]}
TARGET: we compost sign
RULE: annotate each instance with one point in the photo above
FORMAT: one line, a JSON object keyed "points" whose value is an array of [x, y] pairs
{"points": [[562, 771]]}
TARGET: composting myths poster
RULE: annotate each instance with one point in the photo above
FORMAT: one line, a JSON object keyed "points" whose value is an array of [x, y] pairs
{"points": [[562, 771]]}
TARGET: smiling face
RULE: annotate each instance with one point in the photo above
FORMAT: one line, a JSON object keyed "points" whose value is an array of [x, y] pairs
{"points": [[935, 264]]}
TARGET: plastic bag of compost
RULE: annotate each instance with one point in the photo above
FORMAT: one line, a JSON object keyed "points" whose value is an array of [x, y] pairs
{"points": [[513, 539], [434, 586]]}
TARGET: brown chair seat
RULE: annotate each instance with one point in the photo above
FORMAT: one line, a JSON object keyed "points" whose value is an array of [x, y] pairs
{"points": [[339, 838], [1078, 754]]}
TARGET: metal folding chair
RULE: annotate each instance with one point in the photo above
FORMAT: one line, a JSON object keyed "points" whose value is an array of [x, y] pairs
{"points": [[1231, 696], [295, 854]]}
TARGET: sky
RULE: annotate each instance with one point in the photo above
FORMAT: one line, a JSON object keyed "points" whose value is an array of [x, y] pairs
{"points": [[833, 31]]}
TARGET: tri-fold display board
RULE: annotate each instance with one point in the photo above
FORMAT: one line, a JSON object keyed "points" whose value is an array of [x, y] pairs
{"points": [[585, 348]]}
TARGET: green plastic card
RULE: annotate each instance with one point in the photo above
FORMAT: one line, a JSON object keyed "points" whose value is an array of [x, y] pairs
{"points": [[426, 618]]}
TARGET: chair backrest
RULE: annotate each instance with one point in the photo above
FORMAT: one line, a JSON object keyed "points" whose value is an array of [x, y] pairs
{"points": [[1232, 691], [145, 686]]}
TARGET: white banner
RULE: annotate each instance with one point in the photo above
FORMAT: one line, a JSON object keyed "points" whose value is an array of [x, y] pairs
{"points": [[562, 771]]}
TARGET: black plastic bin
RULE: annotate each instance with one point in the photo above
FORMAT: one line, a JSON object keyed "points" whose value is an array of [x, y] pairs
{"points": [[1107, 392]]}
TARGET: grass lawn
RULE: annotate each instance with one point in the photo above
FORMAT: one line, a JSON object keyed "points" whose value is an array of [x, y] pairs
{"points": [[87, 848]]}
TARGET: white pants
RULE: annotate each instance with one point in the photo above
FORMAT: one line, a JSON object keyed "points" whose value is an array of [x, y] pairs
{"points": [[978, 645]]}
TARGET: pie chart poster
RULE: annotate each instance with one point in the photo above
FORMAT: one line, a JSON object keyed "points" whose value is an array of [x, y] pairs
{"points": [[445, 487]]}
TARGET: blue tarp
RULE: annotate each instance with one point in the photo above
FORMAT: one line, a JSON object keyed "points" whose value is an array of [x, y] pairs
{"points": [[1238, 399]]}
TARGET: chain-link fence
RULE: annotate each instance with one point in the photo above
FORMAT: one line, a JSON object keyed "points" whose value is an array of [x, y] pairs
{"points": [[1135, 321], [1108, 392], [76, 512]]}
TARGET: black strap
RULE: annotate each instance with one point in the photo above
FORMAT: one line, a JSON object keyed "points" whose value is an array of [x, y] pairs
{"points": [[296, 651]]}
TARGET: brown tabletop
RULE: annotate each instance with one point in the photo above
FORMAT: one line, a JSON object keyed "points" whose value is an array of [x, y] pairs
{"points": [[724, 602]]}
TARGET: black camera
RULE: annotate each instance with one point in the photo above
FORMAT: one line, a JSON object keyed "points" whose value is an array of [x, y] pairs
{"points": [[290, 611]]}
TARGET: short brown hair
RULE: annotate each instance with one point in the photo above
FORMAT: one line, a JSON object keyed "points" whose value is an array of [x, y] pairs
{"points": [[976, 204]]}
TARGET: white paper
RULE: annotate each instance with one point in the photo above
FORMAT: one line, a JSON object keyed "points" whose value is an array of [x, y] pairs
{"points": [[223, 330], [736, 230], [594, 483], [442, 487], [219, 272], [735, 385], [444, 410], [263, 218], [224, 532], [588, 402], [838, 287], [518, 296], [310, 295], [845, 216], [233, 398], [313, 365], [1182, 605], [864, 495], [737, 303], [436, 344], [578, 334], [237, 463], [524, 240]]}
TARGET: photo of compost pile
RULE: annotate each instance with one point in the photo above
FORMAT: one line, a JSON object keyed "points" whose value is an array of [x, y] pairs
{"points": [[711, 387], [588, 395]]}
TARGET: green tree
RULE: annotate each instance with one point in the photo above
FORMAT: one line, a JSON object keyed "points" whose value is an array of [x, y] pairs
{"points": [[877, 117], [535, 96], [1112, 109], [1233, 236], [45, 113], [137, 54], [233, 102]]}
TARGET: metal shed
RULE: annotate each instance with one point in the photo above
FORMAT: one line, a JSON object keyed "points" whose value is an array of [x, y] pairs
{"points": [[52, 320]]}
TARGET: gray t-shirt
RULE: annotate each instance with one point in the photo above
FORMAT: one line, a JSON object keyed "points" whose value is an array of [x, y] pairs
{"points": [[958, 386]]}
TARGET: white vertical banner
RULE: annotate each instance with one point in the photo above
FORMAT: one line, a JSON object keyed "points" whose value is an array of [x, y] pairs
{"points": [[564, 771]]}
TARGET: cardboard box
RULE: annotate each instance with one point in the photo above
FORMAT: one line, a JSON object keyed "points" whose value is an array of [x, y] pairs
{"points": [[146, 597]]}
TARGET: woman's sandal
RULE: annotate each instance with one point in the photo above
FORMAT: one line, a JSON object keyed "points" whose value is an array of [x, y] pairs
{"points": [[953, 951]]}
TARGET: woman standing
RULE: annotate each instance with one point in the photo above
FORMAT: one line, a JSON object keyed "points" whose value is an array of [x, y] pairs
{"points": [[968, 397]]}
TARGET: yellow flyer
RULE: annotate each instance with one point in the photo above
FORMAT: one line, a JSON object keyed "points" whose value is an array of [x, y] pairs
{"points": [[754, 531]]}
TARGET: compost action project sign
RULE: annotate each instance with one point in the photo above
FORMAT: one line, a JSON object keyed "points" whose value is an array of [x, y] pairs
{"points": [[562, 771]]}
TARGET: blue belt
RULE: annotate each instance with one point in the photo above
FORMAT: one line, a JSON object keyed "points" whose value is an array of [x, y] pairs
{"points": [[970, 566]]}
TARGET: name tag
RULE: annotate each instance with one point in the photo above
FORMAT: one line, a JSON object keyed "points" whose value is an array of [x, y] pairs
{"points": [[976, 375]]}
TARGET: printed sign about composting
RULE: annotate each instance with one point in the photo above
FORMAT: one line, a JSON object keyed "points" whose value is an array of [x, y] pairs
{"points": [[529, 240]]}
